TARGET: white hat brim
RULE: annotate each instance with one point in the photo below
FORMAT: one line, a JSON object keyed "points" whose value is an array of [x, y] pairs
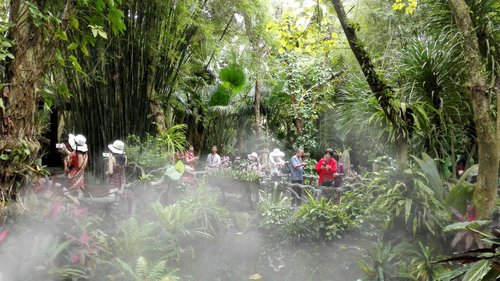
{"points": [[82, 148], [71, 141], [114, 150], [277, 154]]}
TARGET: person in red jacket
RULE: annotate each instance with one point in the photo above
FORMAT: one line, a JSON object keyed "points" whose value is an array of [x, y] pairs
{"points": [[326, 168]]}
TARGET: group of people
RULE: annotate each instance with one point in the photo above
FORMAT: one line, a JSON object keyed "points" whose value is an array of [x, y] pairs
{"points": [[328, 170], [76, 158]]}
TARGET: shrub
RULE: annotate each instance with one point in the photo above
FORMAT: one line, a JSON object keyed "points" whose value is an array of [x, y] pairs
{"points": [[274, 212], [323, 219]]}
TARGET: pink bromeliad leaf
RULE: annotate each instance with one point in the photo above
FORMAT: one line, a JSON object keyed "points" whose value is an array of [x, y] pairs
{"points": [[3, 234], [85, 238], [79, 212], [75, 259], [57, 207], [471, 213]]}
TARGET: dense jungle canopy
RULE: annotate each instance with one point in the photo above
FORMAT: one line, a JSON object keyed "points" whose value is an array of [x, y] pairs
{"points": [[414, 81]]}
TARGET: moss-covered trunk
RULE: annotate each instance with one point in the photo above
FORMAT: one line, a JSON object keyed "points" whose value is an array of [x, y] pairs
{"points": [[19, 134], [485, 191]]}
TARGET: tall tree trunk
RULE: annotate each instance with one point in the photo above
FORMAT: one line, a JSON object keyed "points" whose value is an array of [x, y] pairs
{"points": [[23, 75], [497, 90], [256, 108], [485, 190], [382, 91]]}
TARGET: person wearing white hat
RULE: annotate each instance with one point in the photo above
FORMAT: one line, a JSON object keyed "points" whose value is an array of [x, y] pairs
{"points": [[116, 165], [276, 162], [254, 164], [77, 163], [66, 148]]}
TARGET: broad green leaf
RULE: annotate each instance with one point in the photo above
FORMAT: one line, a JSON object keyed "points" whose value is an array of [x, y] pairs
{"points": [[61, 34], [73, 21], [408, 203], [466, 225], [477, 271], [72, 46], [84, 50], [180, 167]]}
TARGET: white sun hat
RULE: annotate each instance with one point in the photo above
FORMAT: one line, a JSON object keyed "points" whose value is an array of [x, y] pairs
{"points": [[277, 153], [117, 147], [253, 155], [71, 141], [81, 143]]}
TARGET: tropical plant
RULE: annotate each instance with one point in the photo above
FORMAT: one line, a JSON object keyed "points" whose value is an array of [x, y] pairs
{"points": [[423, 266], [196, 215], [466, 222], [145, 271], [323, 219], [274, 211], [135, 238], [156, 152], [479, 264], [412, 196], [236, 173], [381, 265]]}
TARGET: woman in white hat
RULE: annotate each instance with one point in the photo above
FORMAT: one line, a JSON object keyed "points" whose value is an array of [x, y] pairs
{"points": [[66, 149], [254, 164], [77, 162], [276, 161], [116, 165]]}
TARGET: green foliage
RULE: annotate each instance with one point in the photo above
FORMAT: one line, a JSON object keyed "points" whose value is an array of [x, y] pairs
{"points": [[221, 96], [233, 76], [174, 139], [236, 173], [413, 198], [303, 87], [305, 30], [156, 151], [481, 264], [197, 215], [430, 172], [143, 271], [23, 166], [274, 212], [148, 153], [136, 238], [323, 219], [464, 232], [381, 265], [423, 264]]}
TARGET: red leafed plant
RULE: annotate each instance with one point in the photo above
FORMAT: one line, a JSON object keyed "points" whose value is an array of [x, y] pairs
{"points": [[465, 223], [3, 234]]}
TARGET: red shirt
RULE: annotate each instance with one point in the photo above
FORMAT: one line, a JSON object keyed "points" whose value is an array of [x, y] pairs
{"points": [[326, 172]]}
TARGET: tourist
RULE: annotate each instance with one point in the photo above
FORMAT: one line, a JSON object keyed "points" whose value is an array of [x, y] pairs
{"points": [[254, 165], [66, 148], [117, 163], [264, 161], [76, 164], [276, 162], [326, 168], [297, 175], [213, 159], [190, 159]]}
